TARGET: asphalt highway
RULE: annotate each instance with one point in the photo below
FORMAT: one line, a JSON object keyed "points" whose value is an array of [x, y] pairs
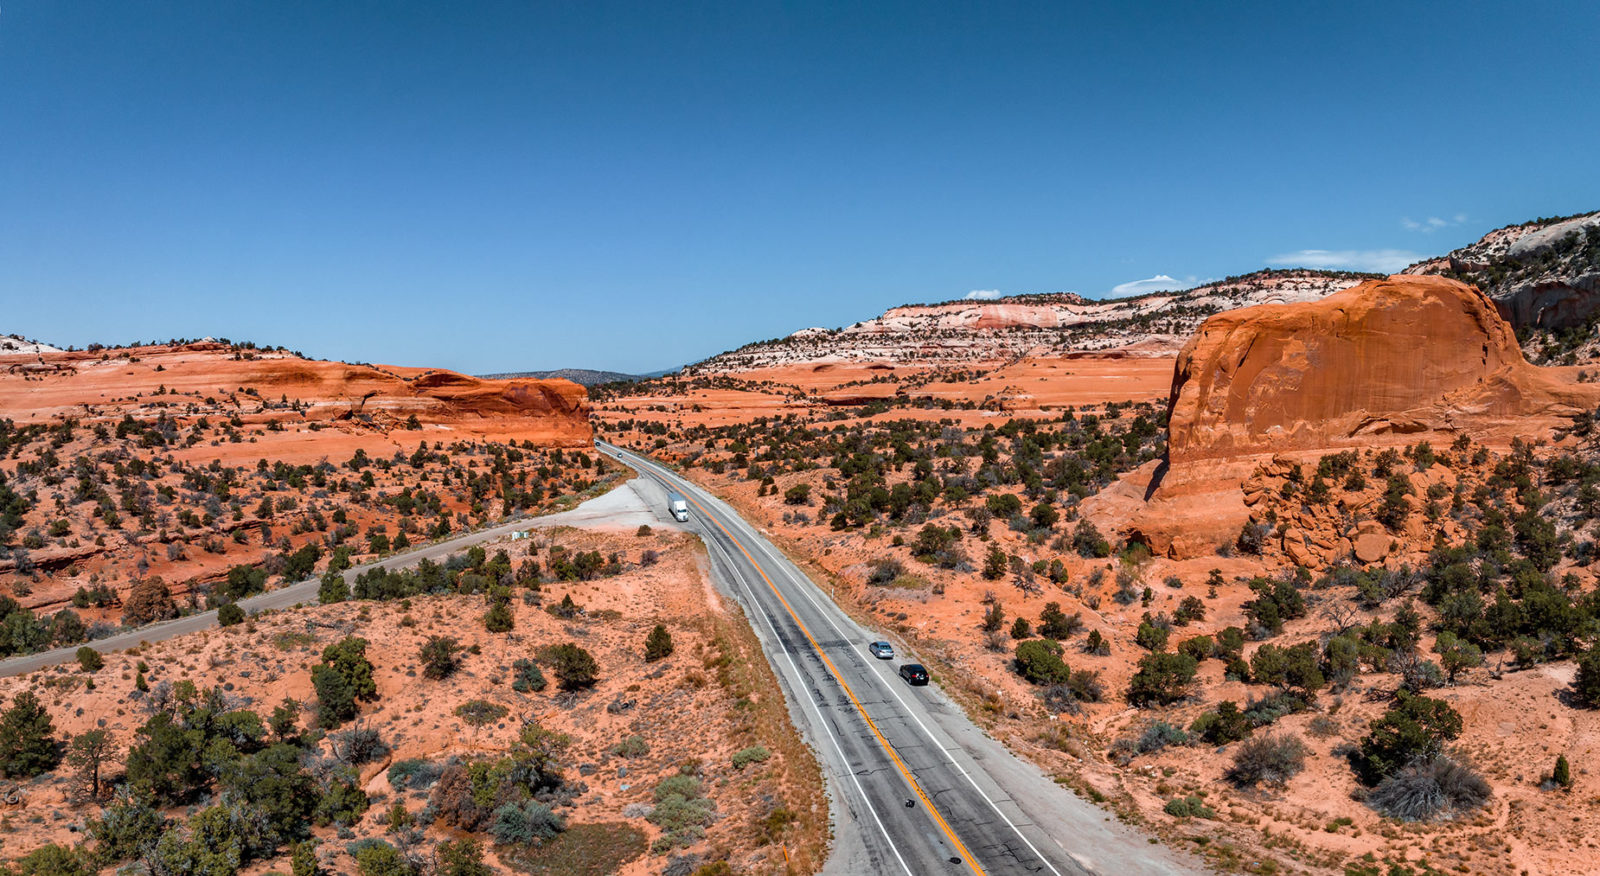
{"points": [[918, 789]]}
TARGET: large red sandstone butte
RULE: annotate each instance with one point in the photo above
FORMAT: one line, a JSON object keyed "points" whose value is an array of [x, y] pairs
{"points": [[1403, 355], [1389, 362]]}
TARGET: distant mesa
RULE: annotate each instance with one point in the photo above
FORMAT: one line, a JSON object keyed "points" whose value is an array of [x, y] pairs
{"points": [[964, 332], [580, 376], [229, 378]]}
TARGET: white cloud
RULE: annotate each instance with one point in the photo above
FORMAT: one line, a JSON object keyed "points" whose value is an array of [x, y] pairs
{"points": [[983, 295], [1386, 261], [1432, 223], [1158, 283]]}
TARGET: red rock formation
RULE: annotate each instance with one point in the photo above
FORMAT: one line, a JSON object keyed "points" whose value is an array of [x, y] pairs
{"points": [[1388, 362], [1403, 355], [214, 380]]}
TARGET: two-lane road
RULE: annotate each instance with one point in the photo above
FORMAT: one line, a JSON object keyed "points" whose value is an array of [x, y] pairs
{"points": [[918, 789]]}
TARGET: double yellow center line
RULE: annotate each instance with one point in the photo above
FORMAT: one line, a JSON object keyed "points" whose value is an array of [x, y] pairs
{"points": [[837, 677]]}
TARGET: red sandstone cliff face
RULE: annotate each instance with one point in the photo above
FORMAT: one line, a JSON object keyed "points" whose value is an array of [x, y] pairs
{"points": [[1398, 356], [1388, 362]]}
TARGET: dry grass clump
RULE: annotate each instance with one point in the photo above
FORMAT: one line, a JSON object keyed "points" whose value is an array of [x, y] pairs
{"points": [[1437, 787]]}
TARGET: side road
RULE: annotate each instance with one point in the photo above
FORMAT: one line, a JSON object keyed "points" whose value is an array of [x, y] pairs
{"points": [[622, 506]]}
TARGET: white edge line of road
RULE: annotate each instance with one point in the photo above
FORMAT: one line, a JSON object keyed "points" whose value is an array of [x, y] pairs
{"points": [[806, 591], [801, 694]]}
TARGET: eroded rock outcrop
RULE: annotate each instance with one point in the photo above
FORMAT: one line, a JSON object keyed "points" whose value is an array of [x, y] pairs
{"points": [[1543, 274], [1386, 363], [261, 385], [1398, 356]]}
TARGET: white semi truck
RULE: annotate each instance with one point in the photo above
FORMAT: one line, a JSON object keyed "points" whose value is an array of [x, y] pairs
{"points": [[679, 506]]}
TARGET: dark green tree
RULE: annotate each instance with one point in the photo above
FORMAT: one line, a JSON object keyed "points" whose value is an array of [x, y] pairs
{"points": [[1163, 677], [995, 563], [342, 680], [658, 645], [1039, 661], [439, 660], [574, 667], [1414, 727], [27, 743]]}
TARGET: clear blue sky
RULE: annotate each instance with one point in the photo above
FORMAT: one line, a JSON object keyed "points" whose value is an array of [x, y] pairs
{"points": [[508, 186]]}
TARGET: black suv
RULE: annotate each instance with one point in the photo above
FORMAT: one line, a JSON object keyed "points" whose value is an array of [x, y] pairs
{"points": [[914, 673]]}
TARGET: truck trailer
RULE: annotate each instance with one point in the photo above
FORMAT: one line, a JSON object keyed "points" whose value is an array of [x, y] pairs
{"points": [[679, 506]]}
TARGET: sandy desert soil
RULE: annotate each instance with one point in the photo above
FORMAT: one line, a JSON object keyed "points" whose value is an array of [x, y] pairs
{"points": [[1516, 713], [686, 714]]}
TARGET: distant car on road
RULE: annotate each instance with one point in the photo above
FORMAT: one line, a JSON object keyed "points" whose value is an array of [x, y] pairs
{"points": [[914, 673], [882, 650]]}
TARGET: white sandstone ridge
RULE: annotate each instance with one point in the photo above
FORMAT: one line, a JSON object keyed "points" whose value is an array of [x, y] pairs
{"points": [[17, 345], [1060, 323], [1543, 274]]}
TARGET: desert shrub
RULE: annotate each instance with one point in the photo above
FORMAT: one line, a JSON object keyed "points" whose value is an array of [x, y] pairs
{"points": [[1268, 709], [525, 822], [359, 745], [1191, 609], [343, 678], [1586, 686], [462, 857], [1198, 647], [575, 668], [1252, 537], [1188, 807], [150, 600], [1267, 759], [1039, 661], [499, 618], [526, 677], [414, 774], [1056, 624], [1162, 678], [1415, 727], [1230, 643], [374, 857], [658, 645], [882, 571], [51, 859], [1158, 735], [1276, 601], [480, 712], [342, 802], [333, 589], [1222, 725], [632, 746], [90, 660], [1151, 637], [1428, 788], [230, 614], [1086, 686], [1097, 644], [1561, 776], [128, 825], [1021, 629], [1088, 541], [680, 811], [994, 617], [439, 660], [746, 756]]}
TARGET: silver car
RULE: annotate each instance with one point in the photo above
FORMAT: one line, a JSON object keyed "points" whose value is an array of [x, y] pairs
{"points": [[882, 650]]}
